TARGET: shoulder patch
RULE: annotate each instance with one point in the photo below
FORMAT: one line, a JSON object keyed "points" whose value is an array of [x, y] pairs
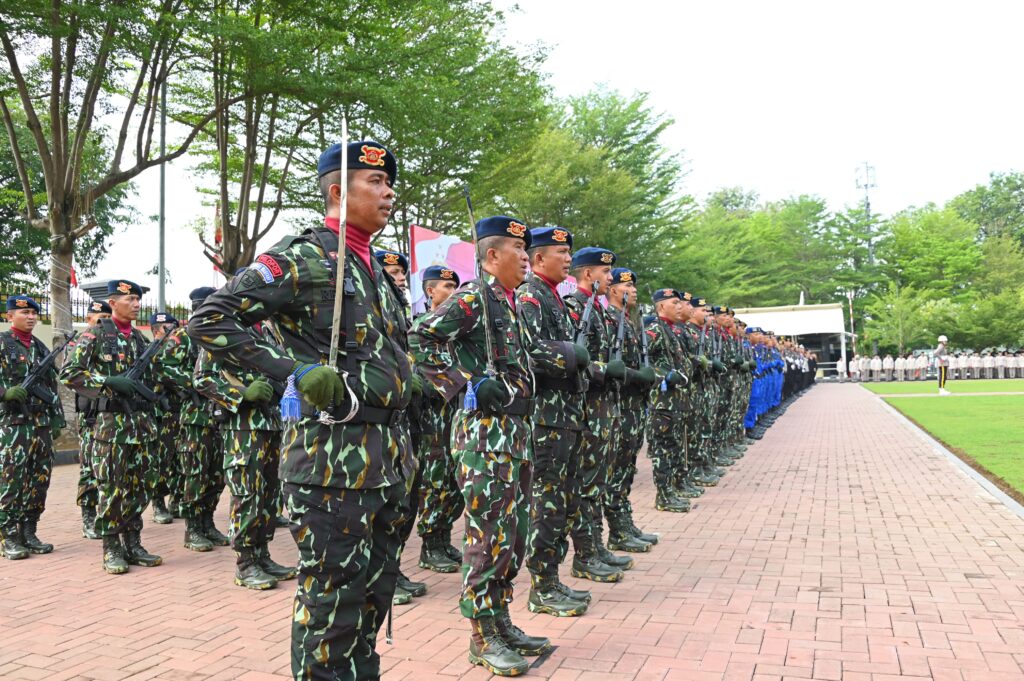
{"points": [[465, 307], [263, 271], [652, 333], [271, 264], [575, 317], [529, 299]]}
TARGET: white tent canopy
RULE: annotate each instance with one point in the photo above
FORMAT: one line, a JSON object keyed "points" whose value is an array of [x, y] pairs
{"points": [[795, 320]]}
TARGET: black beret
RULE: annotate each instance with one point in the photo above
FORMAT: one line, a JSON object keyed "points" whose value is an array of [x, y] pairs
{"points": [[621, 275], [502, 225], [440, 273], [666, 294], [386, 258], [697, 301], [99, 306], [162, 318], [362, 155], [123, 287], [200, 294], [592, 256], [22, 302], [550, 236], [718, 309]]}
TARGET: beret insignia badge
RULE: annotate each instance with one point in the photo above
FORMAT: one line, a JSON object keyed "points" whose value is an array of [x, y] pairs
{"points": [[124, 287], [373, 156], [607, 258], [21, 302], [448, 274], [626, 276], [560, 235], [516, 229], [390, 258]]}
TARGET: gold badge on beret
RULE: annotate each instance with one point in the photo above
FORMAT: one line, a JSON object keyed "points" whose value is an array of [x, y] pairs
{"points": [[95, 307], [448, 274], [124, 287], [626, 276], [516, 229], [373, 156], [687, 296], [21, 302], [391, 259], [607, 258], [560, 235]]}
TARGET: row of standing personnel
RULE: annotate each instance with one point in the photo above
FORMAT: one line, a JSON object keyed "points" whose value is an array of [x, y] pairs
{"points": [[546, 405]]}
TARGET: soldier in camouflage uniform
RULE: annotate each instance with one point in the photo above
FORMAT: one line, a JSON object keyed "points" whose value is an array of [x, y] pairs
{"points": [[442, 496], [28, 427], [670, 398], [703, 392], [160, 481], [488, 374], [200, 455], [87, 494], [346, 462], [125, 432], [560, 365], [250, 428], [623, 534], [592, 560]]}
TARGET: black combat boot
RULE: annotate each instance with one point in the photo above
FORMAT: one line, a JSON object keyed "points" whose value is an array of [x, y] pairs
{"points": [[433, 555], [518, 640], [195, 540], [589, 566], [11, 545], [401, 597], [89, 522], [488, 649], [29, 539], [548, 599], [606, 556], [665, 501], [211, 532], [161, 516], [136, 554], [574, 594], [415, 589], [249, 573], [648, 537], [621, 539], [113, 555], [275, 570], [684, 490], [453, 552]]}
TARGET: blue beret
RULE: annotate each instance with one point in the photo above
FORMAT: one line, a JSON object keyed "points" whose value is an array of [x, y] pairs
{"points": [[697, 301], [666, 294], [592, 256], [22, 302], [621, 275], [440, 273], [502, 225], [386, 258], [718, 309], [99, 306], [362, 155], [119, 287], [550, 236], [200, 294], [162, 318]]}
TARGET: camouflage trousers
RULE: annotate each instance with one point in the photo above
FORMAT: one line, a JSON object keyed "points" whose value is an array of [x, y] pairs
{"points": [[622, 468], [26, 460], [250, 468], [442, 498], [349, 547], [202, 469], [165, 479], [87, 494], [664, 442], [413, 488], [593, 449], [120, 470], [553, 506], [496, 488]]}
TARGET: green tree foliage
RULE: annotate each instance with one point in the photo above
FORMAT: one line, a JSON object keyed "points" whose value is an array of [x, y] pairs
{"points": [[996, 208]]}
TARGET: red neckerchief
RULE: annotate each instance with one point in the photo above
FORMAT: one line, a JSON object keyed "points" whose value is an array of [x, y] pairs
{"points": [[356, 240], [124, 327], [551, 285], [24, 336], [510, 296]]}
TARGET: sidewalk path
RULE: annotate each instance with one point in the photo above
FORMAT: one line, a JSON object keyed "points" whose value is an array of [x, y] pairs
{"points": [[841, 547]]}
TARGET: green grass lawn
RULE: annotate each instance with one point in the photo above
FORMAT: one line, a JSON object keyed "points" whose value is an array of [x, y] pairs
{"points": [[987, 429], [1006, 385]]}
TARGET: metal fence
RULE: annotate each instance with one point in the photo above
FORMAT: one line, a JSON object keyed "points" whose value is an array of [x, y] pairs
{"points": [[80, 305]]}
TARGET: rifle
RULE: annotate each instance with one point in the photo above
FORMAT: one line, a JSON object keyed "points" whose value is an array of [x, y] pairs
{"points": [[620, 334], [643, 343], [490, 368], [33, 381], [581, 337], [135, 371]]}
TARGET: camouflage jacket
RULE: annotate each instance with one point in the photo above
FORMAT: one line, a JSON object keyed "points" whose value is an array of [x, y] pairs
{"points": [[223, 383], [632, 396], [601, 401], [16, 361], [103, 351], [294, 284], [548, 333], [667, 354], [449, 345], [174, 368]]}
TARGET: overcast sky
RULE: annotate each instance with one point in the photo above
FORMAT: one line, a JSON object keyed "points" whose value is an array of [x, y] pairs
{"points": [[781, 98]]}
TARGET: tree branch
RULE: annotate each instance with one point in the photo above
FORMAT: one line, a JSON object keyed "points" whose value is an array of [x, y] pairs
{"points": [[30, 112], [19, 162]]}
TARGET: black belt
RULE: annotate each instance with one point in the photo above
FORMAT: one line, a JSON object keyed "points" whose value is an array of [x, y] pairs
{"points": [[559, 385], [365, 414]]}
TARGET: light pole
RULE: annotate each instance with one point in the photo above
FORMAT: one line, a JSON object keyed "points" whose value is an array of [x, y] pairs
{"points": [[853, 335]]}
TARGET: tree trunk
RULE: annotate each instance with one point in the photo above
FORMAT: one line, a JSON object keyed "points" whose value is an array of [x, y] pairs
{"points": [[60, 271]]}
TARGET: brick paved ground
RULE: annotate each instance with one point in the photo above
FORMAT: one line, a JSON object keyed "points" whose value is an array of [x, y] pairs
{"points": [[841, 547]]}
